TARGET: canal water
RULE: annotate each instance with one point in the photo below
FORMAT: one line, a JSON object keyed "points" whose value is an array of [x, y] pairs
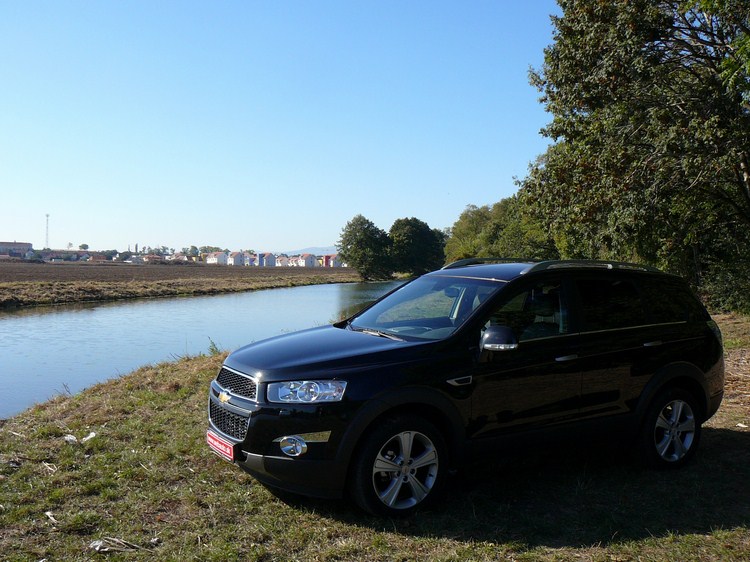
{"points": [[52, 350]]}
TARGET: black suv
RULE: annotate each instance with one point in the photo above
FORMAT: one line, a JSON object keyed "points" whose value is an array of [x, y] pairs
{"points": [[464, 360]]}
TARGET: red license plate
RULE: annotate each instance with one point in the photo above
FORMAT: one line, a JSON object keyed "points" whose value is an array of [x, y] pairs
{"points": [[220, 446]]}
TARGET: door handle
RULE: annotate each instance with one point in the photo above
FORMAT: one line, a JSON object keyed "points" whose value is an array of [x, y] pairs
{"points": [[566, 358], [655, 343]]}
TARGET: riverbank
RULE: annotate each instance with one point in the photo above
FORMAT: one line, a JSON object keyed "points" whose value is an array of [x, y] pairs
{"points": [[37, 284], [124, 465]]}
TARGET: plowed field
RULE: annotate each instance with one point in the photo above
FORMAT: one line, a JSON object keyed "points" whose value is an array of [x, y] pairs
{"points": [[29, 284]]}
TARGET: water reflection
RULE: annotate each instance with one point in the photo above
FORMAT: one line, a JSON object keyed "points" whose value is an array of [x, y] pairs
{"points": [[46, 351]]}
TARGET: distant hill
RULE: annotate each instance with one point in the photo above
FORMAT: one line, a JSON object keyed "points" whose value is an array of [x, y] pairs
{"points": [[316, 250]]}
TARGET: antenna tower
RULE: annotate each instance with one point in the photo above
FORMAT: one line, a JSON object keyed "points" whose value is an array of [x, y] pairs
{"points": [[46, 233]]}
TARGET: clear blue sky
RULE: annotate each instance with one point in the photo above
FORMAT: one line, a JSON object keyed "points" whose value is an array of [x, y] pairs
{"points": [[260, 125]]}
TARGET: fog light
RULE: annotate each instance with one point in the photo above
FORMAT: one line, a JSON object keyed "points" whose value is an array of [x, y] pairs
{"points": [[293, 445]]}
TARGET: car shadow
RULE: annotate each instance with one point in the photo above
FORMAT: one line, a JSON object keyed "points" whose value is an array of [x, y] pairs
{"points": [[580, 496]]}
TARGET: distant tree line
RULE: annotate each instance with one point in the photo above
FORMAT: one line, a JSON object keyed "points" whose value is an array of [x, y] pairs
{"points": [[410, 247], [649, 158]]}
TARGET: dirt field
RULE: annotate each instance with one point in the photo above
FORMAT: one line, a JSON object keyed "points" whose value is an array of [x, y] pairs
{"points": [[18, 271], [32, 284]]}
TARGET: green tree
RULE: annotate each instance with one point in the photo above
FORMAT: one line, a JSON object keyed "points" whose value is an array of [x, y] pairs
{"points": [[513, 232], [83, 247], [366, 248], [416, 248], [465, 235], [651, 131], [507, 229]]}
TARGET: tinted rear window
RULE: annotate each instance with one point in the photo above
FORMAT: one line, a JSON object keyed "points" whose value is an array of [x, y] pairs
{"points": [[670, 300], [608, 304]]}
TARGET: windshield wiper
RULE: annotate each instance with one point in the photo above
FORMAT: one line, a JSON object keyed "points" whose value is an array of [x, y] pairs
{"points": [[380, 333]]}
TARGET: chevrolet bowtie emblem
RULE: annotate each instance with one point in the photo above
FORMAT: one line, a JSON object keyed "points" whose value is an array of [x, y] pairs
{"points": [[223, 397]]}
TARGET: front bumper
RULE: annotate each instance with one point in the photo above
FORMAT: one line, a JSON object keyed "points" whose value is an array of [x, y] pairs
{"points": [[254, 431], [309, 477]]}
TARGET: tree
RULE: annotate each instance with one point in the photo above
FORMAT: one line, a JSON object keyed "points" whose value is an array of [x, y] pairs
{"points": [[416, 248], [464, 241], [83, 247], [514, 233], [651, 131], [506, 229], [366, 248]]}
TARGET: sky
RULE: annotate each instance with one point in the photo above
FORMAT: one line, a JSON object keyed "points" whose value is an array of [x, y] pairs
{"points": [[260, 125]]}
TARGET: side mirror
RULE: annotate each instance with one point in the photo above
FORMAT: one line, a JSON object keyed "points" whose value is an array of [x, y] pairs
{"points": [[498, 338]]}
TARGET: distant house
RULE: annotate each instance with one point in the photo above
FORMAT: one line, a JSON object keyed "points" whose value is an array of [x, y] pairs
{"points": [[282, 261], [216, 258], [304, 260], [178, 256], [236, 258], [267, 260], [331, 260], [251, 260]]}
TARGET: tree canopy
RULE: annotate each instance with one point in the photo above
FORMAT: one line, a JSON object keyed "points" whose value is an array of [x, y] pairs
{"points": [[366, 248], [502, 230], [649, 158], [411, 247], [651, 123], [416, 248]]}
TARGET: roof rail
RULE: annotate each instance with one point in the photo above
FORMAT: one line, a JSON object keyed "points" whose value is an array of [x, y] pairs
{"points": [[602, 264], [542, 265], [478, 261]]}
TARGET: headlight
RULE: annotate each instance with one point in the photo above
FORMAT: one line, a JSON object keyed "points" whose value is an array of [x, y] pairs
{"points": [[306, 392]]}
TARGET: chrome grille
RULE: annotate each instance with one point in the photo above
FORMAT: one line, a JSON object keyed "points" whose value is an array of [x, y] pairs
{"points": [[238, 384], [227, 422]]}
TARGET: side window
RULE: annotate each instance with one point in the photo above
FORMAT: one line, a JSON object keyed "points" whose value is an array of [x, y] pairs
{"points": [[669, 300], [608, 304], [533, 312]]}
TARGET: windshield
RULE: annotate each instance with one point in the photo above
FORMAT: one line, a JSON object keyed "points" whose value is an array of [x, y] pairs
{"points": [[431, 307]]}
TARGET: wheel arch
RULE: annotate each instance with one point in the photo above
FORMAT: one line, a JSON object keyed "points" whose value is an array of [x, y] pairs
{"points": [[686, 376], [432, 406]]}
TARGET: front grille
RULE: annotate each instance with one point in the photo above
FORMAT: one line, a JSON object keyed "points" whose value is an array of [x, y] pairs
{"points": [[227, 422], [238, 384]]}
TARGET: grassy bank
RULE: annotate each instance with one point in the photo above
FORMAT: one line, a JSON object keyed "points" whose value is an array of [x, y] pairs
{"points": [[33, 284], [146, 477]]}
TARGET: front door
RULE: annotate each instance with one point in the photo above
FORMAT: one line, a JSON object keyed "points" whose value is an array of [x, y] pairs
{"points": [[538, 383]]}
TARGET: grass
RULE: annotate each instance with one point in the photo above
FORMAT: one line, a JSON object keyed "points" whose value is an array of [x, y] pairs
{"points": [[148, 479], [735, 330]]}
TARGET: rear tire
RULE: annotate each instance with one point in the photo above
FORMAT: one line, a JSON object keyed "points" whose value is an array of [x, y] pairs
{"points": [[671, 429], [400, 467]]}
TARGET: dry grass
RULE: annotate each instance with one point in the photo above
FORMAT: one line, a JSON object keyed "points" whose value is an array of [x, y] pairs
{"points": [[148, 478], [735, 330]]}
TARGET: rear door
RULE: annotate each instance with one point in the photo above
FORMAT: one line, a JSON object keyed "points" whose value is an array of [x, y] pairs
{"points": [[611, 317]]}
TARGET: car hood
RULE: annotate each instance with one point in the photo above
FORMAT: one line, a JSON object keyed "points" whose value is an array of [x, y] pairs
{"points": [[325, 350]]}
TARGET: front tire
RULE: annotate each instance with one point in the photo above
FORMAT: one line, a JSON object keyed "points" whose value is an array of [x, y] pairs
{"points": [[400, 467], [672, 429]]}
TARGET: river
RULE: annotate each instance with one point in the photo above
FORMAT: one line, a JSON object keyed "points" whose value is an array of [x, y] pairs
{"points": [[52, 350]]}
